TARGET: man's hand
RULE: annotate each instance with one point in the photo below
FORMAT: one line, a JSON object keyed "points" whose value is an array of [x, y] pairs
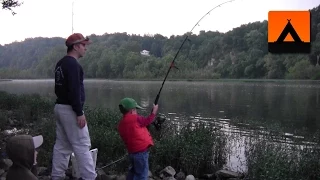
{"points": [[81, 121], [155, 109]]}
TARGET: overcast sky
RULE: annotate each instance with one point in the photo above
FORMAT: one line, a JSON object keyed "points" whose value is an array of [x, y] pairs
{"points": [[53, 18]]}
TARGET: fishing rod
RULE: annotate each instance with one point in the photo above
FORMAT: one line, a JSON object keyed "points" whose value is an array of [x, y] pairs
{"points": [[157, 123], [159, 120]]}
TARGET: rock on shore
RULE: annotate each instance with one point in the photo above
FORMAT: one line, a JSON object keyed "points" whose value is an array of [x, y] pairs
{"points": [[168, 173]]}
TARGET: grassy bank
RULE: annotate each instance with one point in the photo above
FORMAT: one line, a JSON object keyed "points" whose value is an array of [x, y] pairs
{"points": [[189, 151], [195, 148]]}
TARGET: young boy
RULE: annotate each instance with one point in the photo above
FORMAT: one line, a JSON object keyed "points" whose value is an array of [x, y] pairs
{"points": [[22, 150], [136, 137]]}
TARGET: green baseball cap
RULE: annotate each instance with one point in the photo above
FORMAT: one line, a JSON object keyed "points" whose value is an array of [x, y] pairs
{"points": [[129, 103]]}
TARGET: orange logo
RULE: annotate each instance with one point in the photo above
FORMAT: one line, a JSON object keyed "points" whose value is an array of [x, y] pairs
{"points": [[289, 31]]}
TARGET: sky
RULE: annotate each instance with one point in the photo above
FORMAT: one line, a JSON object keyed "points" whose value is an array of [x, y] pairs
{"points": [[53, 18]]}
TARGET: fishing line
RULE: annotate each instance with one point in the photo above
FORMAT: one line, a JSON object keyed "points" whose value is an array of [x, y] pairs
{"points": [[157, 123]]}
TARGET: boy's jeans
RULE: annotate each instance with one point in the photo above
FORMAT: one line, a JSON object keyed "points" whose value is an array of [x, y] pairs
{"points": [[139, 169]]}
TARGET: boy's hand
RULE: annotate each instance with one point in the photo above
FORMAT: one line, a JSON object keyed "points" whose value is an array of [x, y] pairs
{"points": [[155, 109]]}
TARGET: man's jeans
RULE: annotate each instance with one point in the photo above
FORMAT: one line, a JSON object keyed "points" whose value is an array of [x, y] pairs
{"points": [[70, 138], [139, 166]]}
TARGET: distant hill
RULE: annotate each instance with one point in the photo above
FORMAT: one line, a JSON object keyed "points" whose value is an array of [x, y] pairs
{"points": [[239, 53]]}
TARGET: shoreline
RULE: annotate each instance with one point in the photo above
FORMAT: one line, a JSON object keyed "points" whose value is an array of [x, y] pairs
{"points": [[195, 148]]}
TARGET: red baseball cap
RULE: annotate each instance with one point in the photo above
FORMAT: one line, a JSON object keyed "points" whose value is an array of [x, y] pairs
{"points": [[77, 38]]}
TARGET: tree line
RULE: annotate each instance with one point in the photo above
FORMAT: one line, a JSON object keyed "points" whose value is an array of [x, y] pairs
{"points": [[239, 53]]}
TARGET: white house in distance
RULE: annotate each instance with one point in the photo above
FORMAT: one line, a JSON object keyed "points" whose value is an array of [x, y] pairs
{"points": [[144, 53]]}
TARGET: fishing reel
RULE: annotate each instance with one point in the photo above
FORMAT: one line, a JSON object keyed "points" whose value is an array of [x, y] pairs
{"points": [[159, 120]]}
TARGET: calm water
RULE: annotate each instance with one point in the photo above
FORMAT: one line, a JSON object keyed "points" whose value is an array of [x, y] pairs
{"points": [[291, 105]]}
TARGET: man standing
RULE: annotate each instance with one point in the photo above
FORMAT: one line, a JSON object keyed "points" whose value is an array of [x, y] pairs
{"points": [[72, 133]]}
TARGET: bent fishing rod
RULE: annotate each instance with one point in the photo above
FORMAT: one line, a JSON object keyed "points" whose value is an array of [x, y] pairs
{"points": [[157, 124]]}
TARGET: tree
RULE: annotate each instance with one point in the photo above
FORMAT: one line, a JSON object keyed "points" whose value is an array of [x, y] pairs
{"points": [[9, 4]]}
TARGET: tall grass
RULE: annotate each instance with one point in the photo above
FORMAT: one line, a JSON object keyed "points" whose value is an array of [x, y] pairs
{"points": [[267, 159], [194, 149]]}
